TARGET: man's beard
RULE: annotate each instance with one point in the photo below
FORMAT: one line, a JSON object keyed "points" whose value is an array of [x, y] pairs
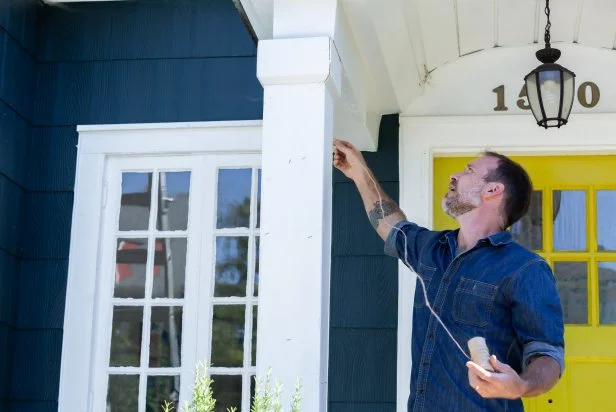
{"points": [[456, 204]]}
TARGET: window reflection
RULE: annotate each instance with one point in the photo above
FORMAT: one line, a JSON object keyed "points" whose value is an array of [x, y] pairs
{"points": [[607, 293], [131, 258], [161, 389], [231, 266], [169, 268], [228, 336], [528, 231], [166, 337], [136, 201], [606, 219], [569, 220], [571, 280], [122, 393], [173, 199], [228, 392], [126, 336], [234, 198]]}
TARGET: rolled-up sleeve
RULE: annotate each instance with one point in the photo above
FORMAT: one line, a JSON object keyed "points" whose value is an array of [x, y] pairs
{"points": [[537, 313], [405, 241]]}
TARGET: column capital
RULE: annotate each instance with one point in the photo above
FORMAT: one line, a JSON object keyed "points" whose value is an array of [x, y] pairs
{"points": [[299, 61]]}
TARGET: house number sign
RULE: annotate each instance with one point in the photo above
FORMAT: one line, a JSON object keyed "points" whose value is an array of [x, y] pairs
{"points": [[588, 95]]}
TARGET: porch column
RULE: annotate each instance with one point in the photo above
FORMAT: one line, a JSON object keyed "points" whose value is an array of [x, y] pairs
{"points": [[301, 79]]}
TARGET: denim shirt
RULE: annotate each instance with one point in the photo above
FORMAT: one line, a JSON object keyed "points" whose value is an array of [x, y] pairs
{"points": [[497, 290]]}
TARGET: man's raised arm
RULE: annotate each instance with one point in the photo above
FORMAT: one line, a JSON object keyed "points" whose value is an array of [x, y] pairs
{"points": [[382, 211]]}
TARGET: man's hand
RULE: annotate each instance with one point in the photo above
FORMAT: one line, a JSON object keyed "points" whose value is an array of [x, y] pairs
{"points": [[503, 383], [349, 160]]}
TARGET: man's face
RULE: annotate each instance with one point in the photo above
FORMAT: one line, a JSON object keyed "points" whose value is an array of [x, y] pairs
{"points": [[465, 187]]}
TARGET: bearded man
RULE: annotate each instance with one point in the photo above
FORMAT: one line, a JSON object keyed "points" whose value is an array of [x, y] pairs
{"points": [[479, 281]]}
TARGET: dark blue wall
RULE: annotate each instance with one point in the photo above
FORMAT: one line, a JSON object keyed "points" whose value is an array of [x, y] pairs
{"points": [[364, 293], [17, 79], [95, 63]]}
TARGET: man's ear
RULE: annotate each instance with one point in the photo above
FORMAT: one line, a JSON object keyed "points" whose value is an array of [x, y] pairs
{"points": [[494, 189]]}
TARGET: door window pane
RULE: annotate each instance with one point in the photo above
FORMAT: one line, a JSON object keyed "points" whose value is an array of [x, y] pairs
{"points": [[606, 220], [255, 313], [231, 266], [228, 336], [228, 392], [126, 336], [173, 200], [259, 199], [571, 280], [123, 393], [234, 187], [607, 293], [169, 268], [528, 231], [569, 207], [161, 389], [256, 289], [166, 337], [136, 201], [131, 258]]}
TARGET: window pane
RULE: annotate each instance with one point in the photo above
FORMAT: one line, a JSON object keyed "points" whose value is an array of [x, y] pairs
{"points": [[136, 200], [166, 337], [173, 201], [573, 290], [259, 199], [233, 198], [131, 257], [126, 336], [161, 389], [231, 266], [528, 231], [256, 288], [607, 292], [254, 334], [169, 268], [123, 393], [606, 219], [569, 219], [228, 336], [228, 392]]}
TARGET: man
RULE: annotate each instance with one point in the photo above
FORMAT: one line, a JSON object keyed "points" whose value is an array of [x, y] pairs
{"points": [[479, 282]]}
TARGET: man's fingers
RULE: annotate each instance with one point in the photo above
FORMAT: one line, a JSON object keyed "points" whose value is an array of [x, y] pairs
{"points": [[499, 366], [480, 372]]}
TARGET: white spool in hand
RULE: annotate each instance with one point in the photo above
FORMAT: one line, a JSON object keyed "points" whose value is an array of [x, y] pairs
{"points": [[479, 353]]}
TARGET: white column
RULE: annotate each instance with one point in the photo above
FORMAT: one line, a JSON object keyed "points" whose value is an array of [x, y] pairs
{"points": [[301, 80]]}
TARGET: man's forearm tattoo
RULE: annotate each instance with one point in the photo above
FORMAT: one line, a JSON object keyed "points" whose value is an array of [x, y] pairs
{"points": [[381, 209]]}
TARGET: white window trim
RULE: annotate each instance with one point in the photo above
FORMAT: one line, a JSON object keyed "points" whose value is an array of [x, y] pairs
{"points": [[96, 144], [424, 138]]}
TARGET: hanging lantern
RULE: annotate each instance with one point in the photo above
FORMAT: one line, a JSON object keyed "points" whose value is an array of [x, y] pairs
{"points": [[550, 86]]}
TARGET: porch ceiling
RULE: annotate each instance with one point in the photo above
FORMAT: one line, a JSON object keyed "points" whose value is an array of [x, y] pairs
{"points": [[400, 42]]}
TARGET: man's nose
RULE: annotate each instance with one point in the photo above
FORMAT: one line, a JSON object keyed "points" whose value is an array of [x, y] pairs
{"points": [[454, 177]]}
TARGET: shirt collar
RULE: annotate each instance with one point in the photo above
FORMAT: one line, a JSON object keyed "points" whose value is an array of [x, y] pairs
{"points": [[497, 239]]}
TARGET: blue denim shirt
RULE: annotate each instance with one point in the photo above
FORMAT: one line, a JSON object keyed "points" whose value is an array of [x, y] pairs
{"points": [[498, 290]]}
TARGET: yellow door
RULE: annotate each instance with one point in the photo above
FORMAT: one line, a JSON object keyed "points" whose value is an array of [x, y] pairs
{"points": [[572, 224]]}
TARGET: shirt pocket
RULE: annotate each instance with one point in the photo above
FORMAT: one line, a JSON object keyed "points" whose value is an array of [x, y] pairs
{"points": [[473, 302], [427, 273]]}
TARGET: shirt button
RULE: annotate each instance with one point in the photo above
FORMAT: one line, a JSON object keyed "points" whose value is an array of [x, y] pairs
{"points": [[431, 336], [420, 391], [425, 364]]}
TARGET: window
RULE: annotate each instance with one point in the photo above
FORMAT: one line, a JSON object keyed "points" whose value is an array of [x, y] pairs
{"points": [[172, 280]]}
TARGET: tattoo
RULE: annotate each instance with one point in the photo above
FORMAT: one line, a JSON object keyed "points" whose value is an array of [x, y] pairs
{"points": [[381, 209]]}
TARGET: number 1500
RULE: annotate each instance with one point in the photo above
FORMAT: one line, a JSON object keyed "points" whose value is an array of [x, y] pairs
{"points": [[522, 103]]}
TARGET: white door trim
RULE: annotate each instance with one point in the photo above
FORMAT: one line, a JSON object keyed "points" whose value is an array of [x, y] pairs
{"points": [[424, 138]]}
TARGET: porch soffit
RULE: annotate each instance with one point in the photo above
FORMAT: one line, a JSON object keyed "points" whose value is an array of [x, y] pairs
{"points": [[401, 42]]}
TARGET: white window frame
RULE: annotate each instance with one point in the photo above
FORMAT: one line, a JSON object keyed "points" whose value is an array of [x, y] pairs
{"points": [[424, 138], [97, 144]]}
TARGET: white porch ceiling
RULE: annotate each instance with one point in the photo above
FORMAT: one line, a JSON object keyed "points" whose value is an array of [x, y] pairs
{"points": [[401, 41]]}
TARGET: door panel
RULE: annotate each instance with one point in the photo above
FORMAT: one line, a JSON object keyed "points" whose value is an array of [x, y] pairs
{"points": [[571, 224]]}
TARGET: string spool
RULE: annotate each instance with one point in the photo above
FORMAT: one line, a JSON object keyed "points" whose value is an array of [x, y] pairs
{"points": [[480, 353]]}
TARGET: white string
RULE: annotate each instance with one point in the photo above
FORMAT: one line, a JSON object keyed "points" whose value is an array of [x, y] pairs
{"points": [[423, 285]]}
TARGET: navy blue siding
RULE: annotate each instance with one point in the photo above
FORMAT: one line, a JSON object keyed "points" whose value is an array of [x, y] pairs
{"points": [[18, 32], [98, 63], [364, 292]]}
